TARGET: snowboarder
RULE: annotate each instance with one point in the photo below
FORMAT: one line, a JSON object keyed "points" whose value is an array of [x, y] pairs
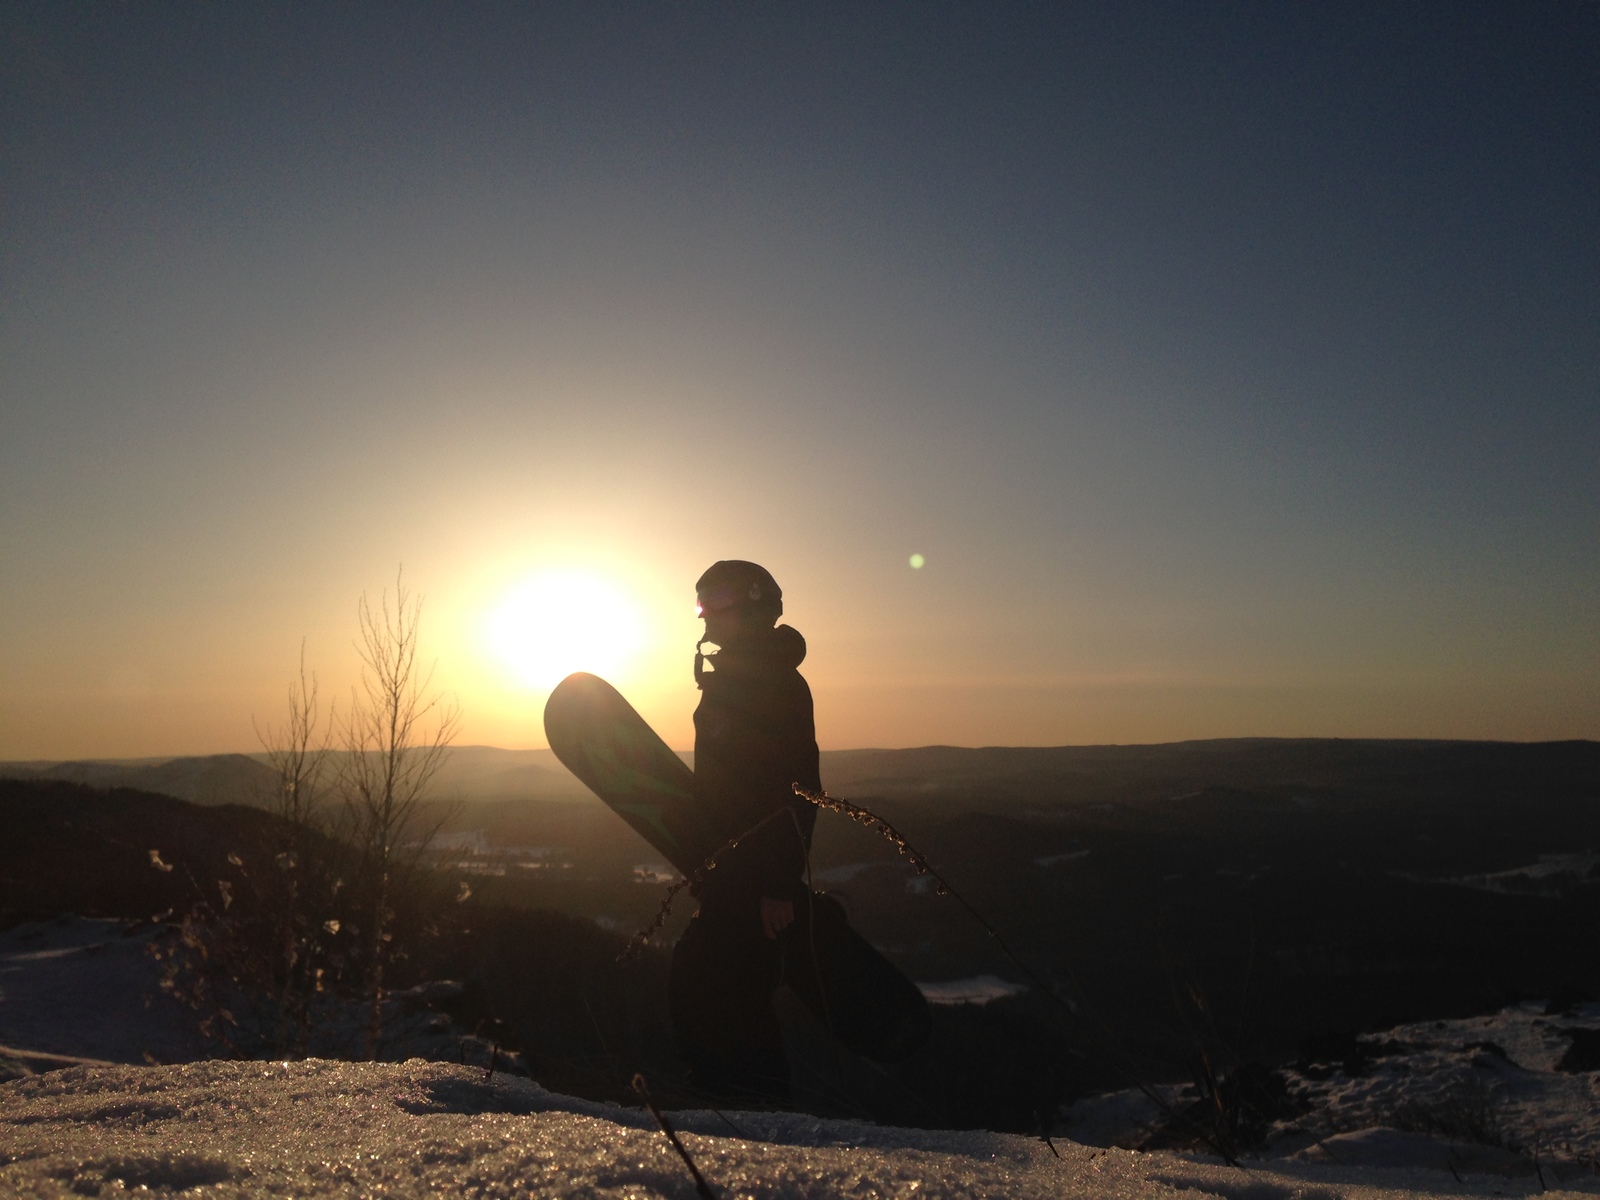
{"points": [[755, 738]]}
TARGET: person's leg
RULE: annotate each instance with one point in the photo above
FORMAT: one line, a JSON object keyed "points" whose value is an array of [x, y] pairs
{"points": [[720, 989]]}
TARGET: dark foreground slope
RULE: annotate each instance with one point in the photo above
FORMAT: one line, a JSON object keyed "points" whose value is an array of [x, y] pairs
{"points": [[544, 983], [1231, 901], [1243, 899], [1284, 888], [72, 848]]}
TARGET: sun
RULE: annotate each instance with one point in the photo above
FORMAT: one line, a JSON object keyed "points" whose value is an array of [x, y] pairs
{"points": [[560, 621]]}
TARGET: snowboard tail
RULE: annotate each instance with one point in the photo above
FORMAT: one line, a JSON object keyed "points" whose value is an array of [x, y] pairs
{"points": [[854, 991]]}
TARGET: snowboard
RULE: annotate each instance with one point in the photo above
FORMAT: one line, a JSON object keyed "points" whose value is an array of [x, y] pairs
{"points": [[602, 739], [852, 989]]}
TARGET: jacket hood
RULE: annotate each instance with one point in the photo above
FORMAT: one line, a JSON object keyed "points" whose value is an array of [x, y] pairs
{"points": [[788, 646]]}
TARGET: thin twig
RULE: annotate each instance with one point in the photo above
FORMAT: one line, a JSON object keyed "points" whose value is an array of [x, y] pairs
{"points": [[701, 1187], [695, 879], [1244, 998], [811, 925], [1044, 1132], [737, 1132]]}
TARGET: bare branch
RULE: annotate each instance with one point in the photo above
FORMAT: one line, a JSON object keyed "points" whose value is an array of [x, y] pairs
{"points": [[396, 737], [297, 752]]}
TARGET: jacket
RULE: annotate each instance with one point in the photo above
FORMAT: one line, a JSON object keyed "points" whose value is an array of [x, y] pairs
{"points": [[754, 739]]}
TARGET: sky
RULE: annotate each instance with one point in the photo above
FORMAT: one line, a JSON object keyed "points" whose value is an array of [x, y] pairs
{"points": [[1232, 369]]}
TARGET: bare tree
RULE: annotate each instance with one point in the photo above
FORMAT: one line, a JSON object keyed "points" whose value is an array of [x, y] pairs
{"points": [[297, 752], [252, 958], [298, 893], [396, 736]]}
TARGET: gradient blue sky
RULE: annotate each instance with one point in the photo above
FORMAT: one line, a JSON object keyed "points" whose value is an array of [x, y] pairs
{"points": [[1236, 367]]}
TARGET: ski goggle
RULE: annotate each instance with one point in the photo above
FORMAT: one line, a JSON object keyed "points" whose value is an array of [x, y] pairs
{"points": [[724, 597]]}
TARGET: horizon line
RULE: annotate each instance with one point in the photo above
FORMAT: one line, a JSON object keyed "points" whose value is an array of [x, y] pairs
{"points": [[154, 759]]}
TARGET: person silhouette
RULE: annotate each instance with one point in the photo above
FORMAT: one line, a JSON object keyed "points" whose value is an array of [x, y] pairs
{"points": [[755, 738]]}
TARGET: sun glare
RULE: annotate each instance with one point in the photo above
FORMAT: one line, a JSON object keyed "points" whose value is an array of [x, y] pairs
{"points": [[561, 621]]}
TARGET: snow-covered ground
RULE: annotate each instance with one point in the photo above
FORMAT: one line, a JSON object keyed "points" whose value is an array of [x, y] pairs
{"points": [[1515, 1092], [80, 988], [83, 990], [980, 989], [1498, 1076], [1472, 1107], [317, 1128]]}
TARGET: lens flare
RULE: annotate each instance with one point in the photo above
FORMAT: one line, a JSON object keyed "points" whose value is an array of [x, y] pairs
{"points": [[561, 621]]}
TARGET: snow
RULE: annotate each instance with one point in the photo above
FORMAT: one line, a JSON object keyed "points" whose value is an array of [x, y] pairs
{"points": [[87, 988], [91, 1118], [1483, 1094], [841, 874], [980, 989], [1498, 1073], [1551, 876], [317, 1128], [1055, 860], [1380, 1147], [87, 991]]}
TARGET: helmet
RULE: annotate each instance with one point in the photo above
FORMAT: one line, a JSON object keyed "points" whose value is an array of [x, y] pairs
{"points": [[733, 583]]}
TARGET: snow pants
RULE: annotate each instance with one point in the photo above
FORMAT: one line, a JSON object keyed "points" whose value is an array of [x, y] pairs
{"points": [[724, 971]]}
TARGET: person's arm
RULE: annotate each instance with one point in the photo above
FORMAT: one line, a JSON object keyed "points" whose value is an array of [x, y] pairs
{"points": [[776, 916], [777, 912]]}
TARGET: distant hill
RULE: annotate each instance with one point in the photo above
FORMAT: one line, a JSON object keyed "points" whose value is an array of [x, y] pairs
{"points": [[208, 779], [1052, 775], [73, 847], [469, 773], [489, 773], [1048, 775]]}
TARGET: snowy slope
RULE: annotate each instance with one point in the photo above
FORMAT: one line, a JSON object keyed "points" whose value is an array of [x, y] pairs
{"points": [[75, 990], [1516, 1092], [86, 988], [1505, 1078], [318, 1128]]}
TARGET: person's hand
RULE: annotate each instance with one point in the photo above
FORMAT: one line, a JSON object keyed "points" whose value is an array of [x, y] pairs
{"points": [[776, 916]]}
